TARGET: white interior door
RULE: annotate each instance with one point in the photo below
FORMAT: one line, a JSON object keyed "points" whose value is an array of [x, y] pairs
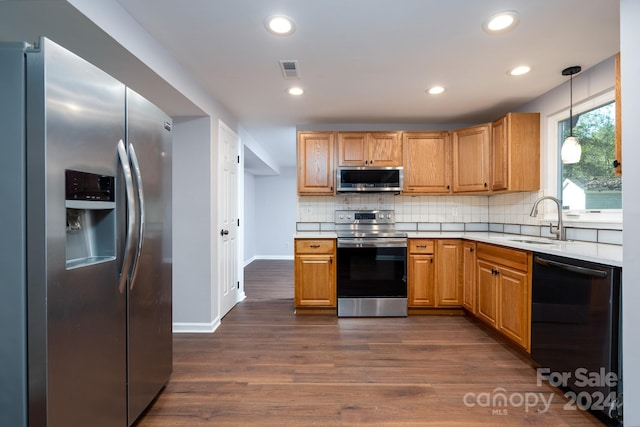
{"points": [[229, 146]]}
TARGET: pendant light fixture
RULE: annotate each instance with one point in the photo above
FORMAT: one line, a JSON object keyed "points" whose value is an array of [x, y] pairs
{"points": [[571, 150]]}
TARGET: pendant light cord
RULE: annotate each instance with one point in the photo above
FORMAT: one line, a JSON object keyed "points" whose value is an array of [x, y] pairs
{"points": [[571, 105]]}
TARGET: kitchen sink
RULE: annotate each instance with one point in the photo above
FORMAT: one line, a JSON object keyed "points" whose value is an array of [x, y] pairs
{"points": [[535, 242]]}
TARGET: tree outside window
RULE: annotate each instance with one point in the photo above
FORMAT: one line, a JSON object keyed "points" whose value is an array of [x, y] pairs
{"points": [[591, 183]]}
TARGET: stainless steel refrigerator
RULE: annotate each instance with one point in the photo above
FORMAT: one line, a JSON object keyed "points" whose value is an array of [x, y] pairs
{"points": [[85, 253]]}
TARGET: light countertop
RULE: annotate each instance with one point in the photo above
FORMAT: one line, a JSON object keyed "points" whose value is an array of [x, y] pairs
{"points": [[587, 251]]}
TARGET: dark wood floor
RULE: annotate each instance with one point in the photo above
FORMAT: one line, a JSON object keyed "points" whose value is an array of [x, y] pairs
{"points": [[265, 366]]}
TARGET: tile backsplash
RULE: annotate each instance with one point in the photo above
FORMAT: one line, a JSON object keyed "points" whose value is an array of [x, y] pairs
{"points": [[505, 213], [504, 208]]}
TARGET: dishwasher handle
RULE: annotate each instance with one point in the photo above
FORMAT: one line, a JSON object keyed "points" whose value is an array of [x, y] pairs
{"points": [[600, 274]]}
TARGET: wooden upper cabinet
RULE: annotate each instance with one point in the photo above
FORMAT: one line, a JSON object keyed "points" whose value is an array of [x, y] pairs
{"points": [[315, 163], [427, 162], [385, 149], [471, 158], [515, 152], [352, 148], [499, 165], [369, 149]]}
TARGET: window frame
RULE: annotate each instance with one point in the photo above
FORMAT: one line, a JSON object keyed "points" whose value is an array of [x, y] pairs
{"points": [[612, 216]]}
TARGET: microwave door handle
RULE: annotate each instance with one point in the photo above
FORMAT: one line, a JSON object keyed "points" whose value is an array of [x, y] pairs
{"points": [[131, 217]]}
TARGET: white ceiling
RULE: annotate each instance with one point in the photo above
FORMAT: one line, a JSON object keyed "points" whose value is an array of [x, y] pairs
{"points": [[370, 61]]}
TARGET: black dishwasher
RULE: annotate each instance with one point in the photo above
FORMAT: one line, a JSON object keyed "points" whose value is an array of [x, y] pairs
{"points": [[575, 331]]}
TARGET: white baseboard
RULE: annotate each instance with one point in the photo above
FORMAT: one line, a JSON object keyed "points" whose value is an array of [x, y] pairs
{"points": [[195, 328]]}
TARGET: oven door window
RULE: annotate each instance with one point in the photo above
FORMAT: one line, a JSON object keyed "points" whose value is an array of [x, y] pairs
{"points": [[372, 272]]}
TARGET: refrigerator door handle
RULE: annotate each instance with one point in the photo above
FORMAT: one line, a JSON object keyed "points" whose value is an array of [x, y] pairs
{"points": [[141, 213], [131, 216]]}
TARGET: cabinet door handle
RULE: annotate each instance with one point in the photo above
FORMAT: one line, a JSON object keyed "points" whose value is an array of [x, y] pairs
{"points": [[421, 246], [366, 162], [314, 246], [471, 249], [448, 187], [616, 163]]}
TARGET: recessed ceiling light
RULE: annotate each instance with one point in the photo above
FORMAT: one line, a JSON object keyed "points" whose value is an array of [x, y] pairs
{"points": [[518, 71], [280, 25], [501, 23], [295, 91], [435, 90]]}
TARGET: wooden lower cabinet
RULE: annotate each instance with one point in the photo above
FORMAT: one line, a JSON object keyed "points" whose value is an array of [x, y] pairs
{"points": [[469, 300], [421, 273], [315, 273], [448, 269], [504, 291], [434, 273], [514, 303], [492, 282], [487, 293]]}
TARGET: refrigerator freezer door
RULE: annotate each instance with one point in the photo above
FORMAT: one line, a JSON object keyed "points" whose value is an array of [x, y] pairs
{"points": [[13, 288], [76, 316], [149, 294]]}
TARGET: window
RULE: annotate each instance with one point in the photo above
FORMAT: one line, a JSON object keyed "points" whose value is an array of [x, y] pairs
{"points": [[591, 184]]}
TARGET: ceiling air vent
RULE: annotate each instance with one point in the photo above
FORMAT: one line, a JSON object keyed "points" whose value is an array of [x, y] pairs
{"points": [[289, 69]]}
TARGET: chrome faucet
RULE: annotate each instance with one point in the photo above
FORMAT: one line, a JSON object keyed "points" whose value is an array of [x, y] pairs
{"points": [[559, 231]]}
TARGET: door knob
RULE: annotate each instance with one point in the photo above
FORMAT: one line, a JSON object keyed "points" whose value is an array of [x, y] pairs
{"points": [[224, 232]]}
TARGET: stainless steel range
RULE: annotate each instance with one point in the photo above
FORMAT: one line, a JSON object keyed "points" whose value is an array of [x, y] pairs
{"points": [[371, 264]]}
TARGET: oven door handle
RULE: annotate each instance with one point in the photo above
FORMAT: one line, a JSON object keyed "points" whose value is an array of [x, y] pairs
{"points": [[372, 243]]}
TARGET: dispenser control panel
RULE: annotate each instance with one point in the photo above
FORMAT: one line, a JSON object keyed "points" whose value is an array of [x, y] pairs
{"points": [[88, 186]]}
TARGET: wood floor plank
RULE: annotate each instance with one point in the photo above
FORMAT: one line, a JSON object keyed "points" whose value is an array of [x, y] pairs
{"points": [[265, 366]]}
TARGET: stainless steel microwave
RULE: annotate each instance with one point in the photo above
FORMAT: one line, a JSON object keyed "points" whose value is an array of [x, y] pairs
{"points": [[371, 179]]}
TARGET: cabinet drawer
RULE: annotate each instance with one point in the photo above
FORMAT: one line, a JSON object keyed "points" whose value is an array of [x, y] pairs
{"points": [[421, 246], [508, 257], [315, 246]]}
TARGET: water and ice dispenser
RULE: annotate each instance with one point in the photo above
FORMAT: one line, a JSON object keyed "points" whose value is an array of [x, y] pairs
{"points": [[91, 218]]}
